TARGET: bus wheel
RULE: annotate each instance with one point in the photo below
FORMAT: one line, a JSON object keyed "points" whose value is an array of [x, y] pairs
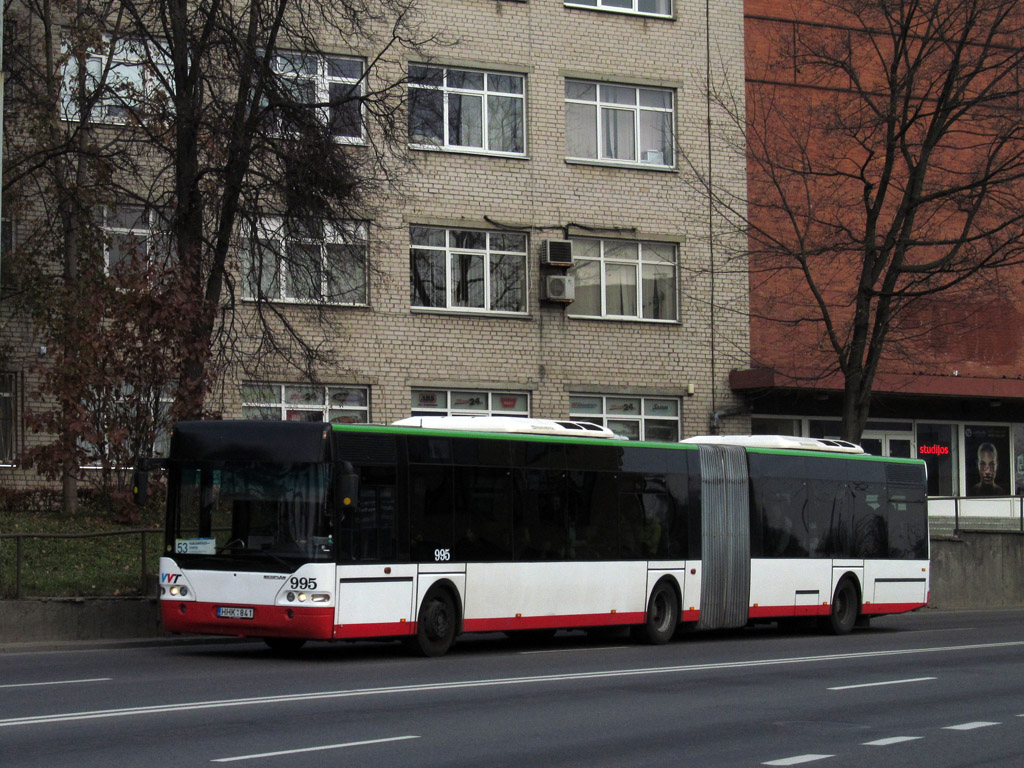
{"points": [[662, 615], [435, 627], [844, 609], [284, 644]]}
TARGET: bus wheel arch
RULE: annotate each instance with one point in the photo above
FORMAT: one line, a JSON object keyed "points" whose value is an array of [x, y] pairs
{"points": [[438, 620], [663, 612], [845, 607]]}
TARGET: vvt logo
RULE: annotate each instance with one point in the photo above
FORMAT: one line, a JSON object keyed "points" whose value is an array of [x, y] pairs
{"points": [[169, 578]]}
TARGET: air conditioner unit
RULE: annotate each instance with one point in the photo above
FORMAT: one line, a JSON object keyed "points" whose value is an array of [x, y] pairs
{"points": [[556, 253], [559, 288]]}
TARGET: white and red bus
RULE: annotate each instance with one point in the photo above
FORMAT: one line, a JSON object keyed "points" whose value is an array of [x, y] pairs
{"points": [[436, 526]]}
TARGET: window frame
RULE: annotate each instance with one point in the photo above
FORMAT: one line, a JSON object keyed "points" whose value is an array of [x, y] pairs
{"points": [[602, 106], [608, 7], [607, 416], [354, 236], [322, 79], [9, 432], [110, 226], [452, 251], [602, 261], [111, 107], [485, 94], [287, 407], [423, 408]]}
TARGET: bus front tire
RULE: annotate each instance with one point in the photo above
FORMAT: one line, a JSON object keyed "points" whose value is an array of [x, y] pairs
{"points": [[843, 616], [662, 615], [435, 626]]}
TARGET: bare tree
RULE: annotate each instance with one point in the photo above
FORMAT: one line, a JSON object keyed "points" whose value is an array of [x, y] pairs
{"points": [[157, 143], [886, 165], [260, 157]]}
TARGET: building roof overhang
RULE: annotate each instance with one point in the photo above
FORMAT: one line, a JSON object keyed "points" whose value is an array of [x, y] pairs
{"points": [[910, 385]]}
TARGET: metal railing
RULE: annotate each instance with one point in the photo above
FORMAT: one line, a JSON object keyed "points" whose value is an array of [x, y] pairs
{"points": [[20, 554], [973, 513]]}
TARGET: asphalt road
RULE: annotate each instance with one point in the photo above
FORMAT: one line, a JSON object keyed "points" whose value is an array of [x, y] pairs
{"points": [[932, 689]]}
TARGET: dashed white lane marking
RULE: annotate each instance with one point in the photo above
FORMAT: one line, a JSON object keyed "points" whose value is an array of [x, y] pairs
{"points": [[311, 749], [886, 682], [890, 741], [970, 726], [797, 760], [58, 682]]}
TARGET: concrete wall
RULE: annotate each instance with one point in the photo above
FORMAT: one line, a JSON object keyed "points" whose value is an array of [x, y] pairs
{"points": [[53, 620], [976, 570]]}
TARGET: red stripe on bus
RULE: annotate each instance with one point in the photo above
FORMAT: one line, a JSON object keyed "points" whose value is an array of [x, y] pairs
{"points": [[567, 621], [310, 622], [383, 629], [871, 608]]}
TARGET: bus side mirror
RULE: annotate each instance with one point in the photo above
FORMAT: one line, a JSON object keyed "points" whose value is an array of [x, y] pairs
{"points": [[140, 478], [346, 489], [140, 487]]}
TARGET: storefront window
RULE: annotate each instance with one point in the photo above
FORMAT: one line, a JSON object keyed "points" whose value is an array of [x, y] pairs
{"points": [[937, 446], [768, 425]]}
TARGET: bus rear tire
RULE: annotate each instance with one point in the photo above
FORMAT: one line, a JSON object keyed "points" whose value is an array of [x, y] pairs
{"points": [[844, 613], [435, 626], [662, 615]]}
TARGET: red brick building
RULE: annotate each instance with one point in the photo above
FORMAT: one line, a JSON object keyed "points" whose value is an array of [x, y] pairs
{"points": [[950, 384]]}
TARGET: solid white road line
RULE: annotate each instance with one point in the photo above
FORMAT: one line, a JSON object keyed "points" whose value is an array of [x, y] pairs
{"points": [[887, 682], [443, 686], [58, 682], [891, 740], [576, 650], [311, 749], [797, 760], [970, 726]]}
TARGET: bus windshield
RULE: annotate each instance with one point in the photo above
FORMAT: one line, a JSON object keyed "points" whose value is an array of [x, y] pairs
{"points": [[233, 513]]}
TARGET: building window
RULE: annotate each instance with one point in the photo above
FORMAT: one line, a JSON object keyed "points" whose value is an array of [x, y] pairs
{"points": [[134, 236], [937, 445], [6, 249], [7, 411], [468, 270], [467, 110], [454, 402], [635, 418], [772, 425], [140, 415], [645, 7], [305, 402], [624, 279], [290, 262], [333, 83], [619, 123], [124, 76]]}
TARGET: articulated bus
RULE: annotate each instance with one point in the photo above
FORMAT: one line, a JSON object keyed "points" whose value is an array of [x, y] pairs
{"points": [[435, 526]]}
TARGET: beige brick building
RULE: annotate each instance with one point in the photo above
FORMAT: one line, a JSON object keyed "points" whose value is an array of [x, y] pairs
{"points": [[546, 122]]}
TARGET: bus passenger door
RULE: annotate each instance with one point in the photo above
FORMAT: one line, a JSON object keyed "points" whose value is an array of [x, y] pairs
{"points": [[375, 588]]}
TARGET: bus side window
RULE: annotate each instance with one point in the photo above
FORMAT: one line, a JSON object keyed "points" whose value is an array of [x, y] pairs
{"points": [[366, 531], [430, 511]]}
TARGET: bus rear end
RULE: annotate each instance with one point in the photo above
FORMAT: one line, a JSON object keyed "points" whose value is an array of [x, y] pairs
{"points": [[249, 545]]}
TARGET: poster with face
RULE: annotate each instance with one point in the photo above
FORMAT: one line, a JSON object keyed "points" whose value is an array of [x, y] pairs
{"points": [[987, 460]]}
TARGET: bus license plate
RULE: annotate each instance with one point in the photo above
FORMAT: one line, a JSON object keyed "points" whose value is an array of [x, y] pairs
{"points": [[229, 612]]}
